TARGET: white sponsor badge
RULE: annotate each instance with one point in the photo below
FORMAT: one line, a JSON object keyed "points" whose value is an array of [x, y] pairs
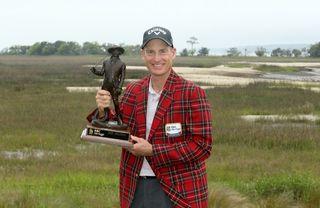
{"points": [[173, 129]]}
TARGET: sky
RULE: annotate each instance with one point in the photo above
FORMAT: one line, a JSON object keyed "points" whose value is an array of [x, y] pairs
{"points": [[215, 23]]}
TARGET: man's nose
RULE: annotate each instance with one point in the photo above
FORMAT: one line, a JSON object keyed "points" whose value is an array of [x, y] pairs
{"points": [[157, 56]]}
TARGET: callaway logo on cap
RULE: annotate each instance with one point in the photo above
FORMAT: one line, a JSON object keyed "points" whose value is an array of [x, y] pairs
{"points": [[157, 33]]}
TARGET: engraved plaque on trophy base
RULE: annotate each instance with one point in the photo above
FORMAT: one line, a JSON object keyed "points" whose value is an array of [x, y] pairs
{"points": [[106, 136]]}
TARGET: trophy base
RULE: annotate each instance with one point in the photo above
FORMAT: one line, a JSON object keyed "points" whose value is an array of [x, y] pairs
{"points": [[106, 136], [108, 125]]}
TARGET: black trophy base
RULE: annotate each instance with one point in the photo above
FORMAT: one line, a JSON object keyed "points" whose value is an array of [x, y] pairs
{"points": [[106, 136]]}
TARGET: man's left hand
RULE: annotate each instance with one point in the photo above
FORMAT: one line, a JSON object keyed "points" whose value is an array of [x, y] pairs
{"points": [[141, 147]]}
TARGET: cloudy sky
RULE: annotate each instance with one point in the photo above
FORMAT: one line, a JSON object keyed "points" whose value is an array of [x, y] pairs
{"points": [[216, 24]]}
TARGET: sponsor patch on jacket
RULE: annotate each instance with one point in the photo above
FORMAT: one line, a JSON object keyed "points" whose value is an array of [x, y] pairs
{"points": [[173, 129]]}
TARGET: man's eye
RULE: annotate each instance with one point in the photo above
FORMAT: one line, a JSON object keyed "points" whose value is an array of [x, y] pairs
{"points": [[163, 51], [150, 52]]}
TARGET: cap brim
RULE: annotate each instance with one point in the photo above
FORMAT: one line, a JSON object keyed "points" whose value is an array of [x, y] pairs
{"points": [[160, 38]]}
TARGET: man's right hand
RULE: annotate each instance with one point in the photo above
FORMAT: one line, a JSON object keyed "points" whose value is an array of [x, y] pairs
{"points": [[103, 100]]}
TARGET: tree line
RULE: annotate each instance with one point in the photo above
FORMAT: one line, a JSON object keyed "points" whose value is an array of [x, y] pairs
{"points": [[67, 48], [203, 51], [313, 51], [72, 48]]}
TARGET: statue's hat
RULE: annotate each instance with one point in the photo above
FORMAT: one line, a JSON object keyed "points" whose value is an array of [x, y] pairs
{"points": [[120, 49]]}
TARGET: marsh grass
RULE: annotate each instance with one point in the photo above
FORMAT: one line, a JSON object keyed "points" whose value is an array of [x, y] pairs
{"points": [[240, 65], [61, 190], [271, 68], [227, 198], [300, 187], [265, 165]]}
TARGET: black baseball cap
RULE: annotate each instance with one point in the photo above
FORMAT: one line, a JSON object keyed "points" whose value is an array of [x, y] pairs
{"points": [[157, 33]]}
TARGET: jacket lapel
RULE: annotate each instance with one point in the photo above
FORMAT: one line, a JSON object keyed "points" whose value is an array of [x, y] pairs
{"points": [[165, 101], [141, 111]]}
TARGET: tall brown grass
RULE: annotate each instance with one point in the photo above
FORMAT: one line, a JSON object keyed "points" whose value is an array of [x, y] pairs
{"points": [[222, 197]]}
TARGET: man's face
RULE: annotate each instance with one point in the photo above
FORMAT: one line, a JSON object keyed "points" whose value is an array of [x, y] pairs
{"points": [[158, 57]]}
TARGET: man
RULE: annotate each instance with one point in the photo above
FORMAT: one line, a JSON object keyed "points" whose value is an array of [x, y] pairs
{"points": [[170, 125]]}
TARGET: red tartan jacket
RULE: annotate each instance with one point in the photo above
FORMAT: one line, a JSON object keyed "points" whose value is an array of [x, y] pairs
{"points": [[178, 162]]}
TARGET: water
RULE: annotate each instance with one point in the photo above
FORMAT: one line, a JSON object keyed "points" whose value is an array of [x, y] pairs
{"points": [[306, 76], [26, 154]]}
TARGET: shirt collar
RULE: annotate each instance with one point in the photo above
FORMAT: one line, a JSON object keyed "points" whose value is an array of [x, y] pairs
{"points": [[151, 90]]}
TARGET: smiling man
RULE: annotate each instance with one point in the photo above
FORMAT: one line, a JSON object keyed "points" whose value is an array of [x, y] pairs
{"points": [[170, 126]]}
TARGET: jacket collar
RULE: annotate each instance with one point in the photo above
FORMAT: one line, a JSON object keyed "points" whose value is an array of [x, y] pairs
{"points": [[164, 102]]}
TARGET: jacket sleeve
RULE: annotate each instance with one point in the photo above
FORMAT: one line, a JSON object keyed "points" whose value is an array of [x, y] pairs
{"points": [[198, 143]]}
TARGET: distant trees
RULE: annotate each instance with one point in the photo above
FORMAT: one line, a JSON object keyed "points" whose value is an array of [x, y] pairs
{"points": [[184, 52], [278, 52], [233, 52], [192, 41], [314, 50], [131, 50], [260, 51], [57, 48], [69, 48], [92, 48], [60, 47], [16, 50], [304, 52], [203, 51], [287, 53], [42, 48], [296, 52]]}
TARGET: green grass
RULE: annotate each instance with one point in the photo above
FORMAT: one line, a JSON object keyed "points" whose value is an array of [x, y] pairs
{"points": [[239, 65], [257, 163], [271, 68], [62, 190]]}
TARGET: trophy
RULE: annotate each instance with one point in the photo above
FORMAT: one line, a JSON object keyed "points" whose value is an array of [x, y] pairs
{"points": [[105, 130]]}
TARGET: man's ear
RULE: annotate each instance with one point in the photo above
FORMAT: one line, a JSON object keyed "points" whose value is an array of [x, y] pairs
{"points": [[174, 51]]}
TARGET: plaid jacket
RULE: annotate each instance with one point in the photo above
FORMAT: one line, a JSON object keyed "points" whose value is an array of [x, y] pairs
{"points": [[178, 162]]}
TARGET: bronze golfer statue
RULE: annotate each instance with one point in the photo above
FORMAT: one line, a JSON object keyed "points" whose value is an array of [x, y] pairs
{"points": [[114, 71]]}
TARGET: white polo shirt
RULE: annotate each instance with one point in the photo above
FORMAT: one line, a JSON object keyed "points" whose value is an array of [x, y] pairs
{"points": [[153, 100]]}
